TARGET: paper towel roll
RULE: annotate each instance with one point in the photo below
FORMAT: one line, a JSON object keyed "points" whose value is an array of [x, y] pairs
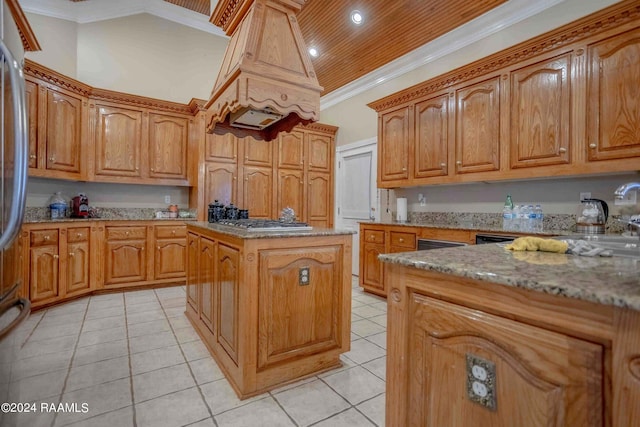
{"points": [[401, 215]]}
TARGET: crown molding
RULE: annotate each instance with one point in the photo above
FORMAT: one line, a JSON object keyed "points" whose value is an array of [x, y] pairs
{"points": [[96, 10], [503, 16]]}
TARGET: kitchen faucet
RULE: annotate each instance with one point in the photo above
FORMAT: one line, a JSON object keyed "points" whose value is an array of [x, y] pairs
{"points": [[621, 191]]}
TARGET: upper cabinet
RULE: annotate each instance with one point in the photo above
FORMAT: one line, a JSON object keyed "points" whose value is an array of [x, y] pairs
{"points": [[78, 132], [57, 123], [118, 136], [564, 103], [613, 119]]}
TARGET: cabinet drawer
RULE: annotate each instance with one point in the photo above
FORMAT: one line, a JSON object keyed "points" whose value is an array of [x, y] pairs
{"points": [[77, 234], [126, 233], [170, 231], [462, 236], [404, 240], [44, 237], [373, 236]]}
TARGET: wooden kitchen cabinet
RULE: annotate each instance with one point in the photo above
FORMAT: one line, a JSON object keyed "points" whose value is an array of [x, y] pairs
{"points": [[44, 266], [168, 145], [561, 104], [431, 137], [257, 152], [477, 124], [221, 148], [533, 376], [126, 255], [57, 120], [612, 114], [319, 212], [78, 280], [170, 256], [394, 145], [371, 268], [290, 190], [540, 110], [207, 297], [118, 141], [320, 152], [221, 183], [257, 191], [290, 150], [227, 290], [193, 269]]}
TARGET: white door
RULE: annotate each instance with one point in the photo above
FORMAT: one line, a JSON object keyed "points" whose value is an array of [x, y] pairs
{"points": [[356, 189]]}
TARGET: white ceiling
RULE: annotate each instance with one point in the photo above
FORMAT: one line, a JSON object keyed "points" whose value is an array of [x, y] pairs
{"points": [[491, 22]]}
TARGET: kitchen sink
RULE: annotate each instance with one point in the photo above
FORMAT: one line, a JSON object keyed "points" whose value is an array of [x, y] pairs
{"points": [[619, 245]]}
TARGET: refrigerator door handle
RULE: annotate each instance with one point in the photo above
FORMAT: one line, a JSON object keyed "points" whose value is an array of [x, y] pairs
{"points": [[24, 312], [20, 149]]}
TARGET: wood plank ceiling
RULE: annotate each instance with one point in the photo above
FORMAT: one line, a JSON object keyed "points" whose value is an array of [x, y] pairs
{"points": [[391, 28]]}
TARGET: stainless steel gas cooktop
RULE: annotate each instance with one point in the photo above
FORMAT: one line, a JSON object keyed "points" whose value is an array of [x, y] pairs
{"points": [[265, 225]]}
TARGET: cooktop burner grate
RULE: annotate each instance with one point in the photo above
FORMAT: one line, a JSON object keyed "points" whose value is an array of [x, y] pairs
{"points": [[265, 224]]}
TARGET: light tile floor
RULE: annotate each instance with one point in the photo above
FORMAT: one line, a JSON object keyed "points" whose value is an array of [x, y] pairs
{"points": [[135, 360]]}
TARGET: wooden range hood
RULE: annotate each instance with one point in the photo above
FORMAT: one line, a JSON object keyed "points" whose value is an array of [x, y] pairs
{"points": [[266, 84]]}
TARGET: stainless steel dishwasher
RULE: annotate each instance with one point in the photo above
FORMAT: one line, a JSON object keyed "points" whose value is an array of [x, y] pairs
{"points": [[427, 244]]}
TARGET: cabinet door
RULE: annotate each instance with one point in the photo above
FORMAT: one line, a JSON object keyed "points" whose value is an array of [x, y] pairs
{"points": [[291, 150], [393, 148], [257, 191], [540, 113], [78, 280], [63, 131], [193, 257], [31, 99], [118, 141], [170, 258], [126, 261], [220, 183], [257, 152], [227, 286], [44, 273], [319, 200], [431, 137], [527, 375], [298, 317], [221, 148], [613, 110], [168, 143], [477, 119], [207, 297], [371, 267], [290, 192], [319, 152]]}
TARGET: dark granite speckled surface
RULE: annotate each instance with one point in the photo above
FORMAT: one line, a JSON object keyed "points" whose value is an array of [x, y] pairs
{"points": [[244, 234], [610, 281]]}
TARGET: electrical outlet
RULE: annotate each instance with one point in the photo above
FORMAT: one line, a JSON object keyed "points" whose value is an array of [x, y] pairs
{"points": [[585, 195], [303, 276], [167, 199]]}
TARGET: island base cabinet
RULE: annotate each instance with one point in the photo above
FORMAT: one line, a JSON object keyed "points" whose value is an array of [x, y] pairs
{"points": [[497, 372], [270, 310]]}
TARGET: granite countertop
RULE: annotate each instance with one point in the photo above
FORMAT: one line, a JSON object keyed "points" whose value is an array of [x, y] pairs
{"points": [[470, 226], [610, 281], [245, 234], [59, 220]]}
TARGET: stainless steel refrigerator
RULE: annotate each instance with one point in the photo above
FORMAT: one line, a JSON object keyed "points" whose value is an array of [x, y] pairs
{"points": [[13, 182]]}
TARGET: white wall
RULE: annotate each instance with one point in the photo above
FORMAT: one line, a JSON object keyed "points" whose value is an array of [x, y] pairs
{"points": [[58, 40]]}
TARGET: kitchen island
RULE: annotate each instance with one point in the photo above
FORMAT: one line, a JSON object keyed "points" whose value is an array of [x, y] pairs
{"points": [[512, 338], [272, 307]]}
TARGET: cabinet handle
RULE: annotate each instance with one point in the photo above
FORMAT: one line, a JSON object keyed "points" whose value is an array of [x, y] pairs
{"points": [[126, 233], [404, 169], [52, 159], [373, 237], [592, 145], [47, 237], [401, 240], [56, 256], [246, 179], [152, 170], [458, 162], [158, 247], [443, 165], [562, 150], [32, 156], [246, 158], [173, 232], [137, 169], [78, 235], [71, 254]]}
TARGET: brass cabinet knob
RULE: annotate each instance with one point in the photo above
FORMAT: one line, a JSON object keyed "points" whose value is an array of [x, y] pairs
{"points": [[562, 150], [71, 254], [458, 162], [52, 158], [401, 240], [158, 247], [592, 145], [56, 256], [47, 237], [153, 170], [78, 235], [137, 168], [404, 169], [173, 232], [443, 165], [33, 156], [126, 233]]}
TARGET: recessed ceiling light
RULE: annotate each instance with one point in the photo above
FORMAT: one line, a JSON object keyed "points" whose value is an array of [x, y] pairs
{"points": [[313, 52], [356, 17]]}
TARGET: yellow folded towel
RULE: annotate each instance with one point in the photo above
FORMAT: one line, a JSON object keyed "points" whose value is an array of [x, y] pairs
{"points": [[531, 243]]}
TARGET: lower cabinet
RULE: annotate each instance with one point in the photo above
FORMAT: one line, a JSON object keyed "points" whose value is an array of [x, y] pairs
{"points": [[193, 269], [65, 260], [227, 288], [207, 297]]}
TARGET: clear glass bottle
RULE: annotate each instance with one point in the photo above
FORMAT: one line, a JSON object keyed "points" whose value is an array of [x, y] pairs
{"points": [[58, 206], [539, 218], [531, 219], [507, 214]]}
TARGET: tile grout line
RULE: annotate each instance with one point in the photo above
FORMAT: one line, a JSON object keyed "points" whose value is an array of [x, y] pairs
{"points": [[173, 331], [126, 328]]}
